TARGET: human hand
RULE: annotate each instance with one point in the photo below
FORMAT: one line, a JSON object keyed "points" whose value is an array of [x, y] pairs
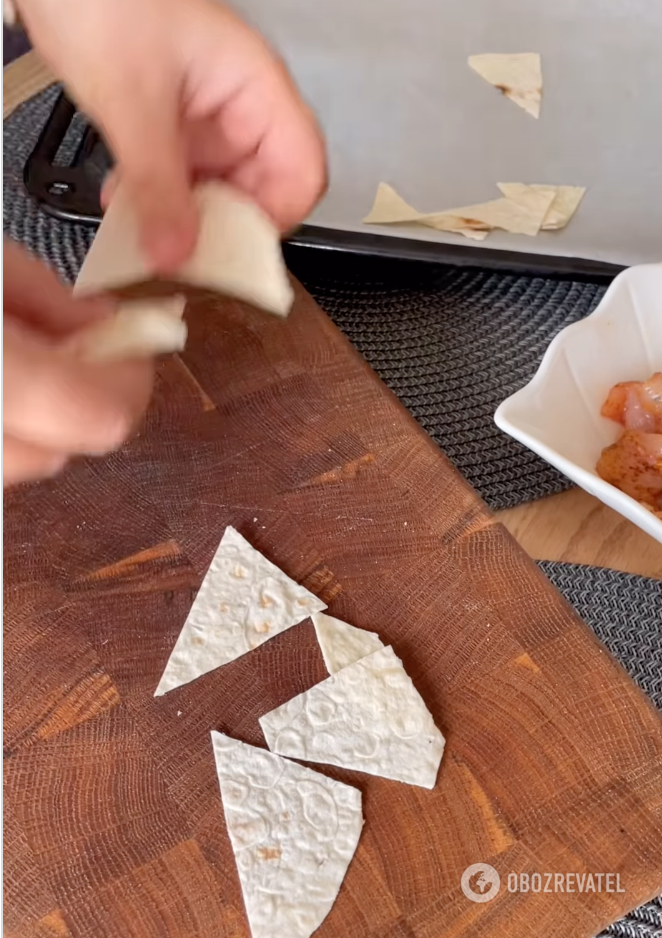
{"points": [[182, 90], [55, 406]]}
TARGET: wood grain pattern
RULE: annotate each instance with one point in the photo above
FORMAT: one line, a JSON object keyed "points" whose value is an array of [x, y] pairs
{"points": [[22, 79], [576, 527], [554, 758]]}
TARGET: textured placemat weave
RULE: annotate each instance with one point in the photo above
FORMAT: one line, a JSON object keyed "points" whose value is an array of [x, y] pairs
{"points": [[625, 612], [62, 244], [451, 343]]}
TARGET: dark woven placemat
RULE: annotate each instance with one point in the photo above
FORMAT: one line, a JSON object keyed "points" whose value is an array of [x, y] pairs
{"points": [[452, 343], [625, 612], [63, 244]]}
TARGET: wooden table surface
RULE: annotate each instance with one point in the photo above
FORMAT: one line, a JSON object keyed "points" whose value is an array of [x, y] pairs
{"points": [[573, 527], [114, 824]]}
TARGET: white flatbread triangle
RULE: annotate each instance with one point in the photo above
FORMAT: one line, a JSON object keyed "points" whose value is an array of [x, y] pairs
{"points": [[341, 643], [368, 717], [293, 833], [518, 76], [238, 251], [244, 600]]}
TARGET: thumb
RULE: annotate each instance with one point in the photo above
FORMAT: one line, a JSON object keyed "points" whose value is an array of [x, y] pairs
{"points": [[145, 132]]}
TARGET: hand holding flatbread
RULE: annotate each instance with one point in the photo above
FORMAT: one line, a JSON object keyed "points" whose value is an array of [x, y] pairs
{"points": [[237, 253], [139, 329]]}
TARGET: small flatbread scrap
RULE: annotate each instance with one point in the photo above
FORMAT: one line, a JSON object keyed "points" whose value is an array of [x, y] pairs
{"points": [[341, 643], [293, 833], [564, 205], [367, 717], [139, 329], [391, 209], [238, 251], [503, 213], [474, 221], [244, 601], [518, 76]]}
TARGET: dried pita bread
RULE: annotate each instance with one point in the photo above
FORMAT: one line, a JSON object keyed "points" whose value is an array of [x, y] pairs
{"points": [[518, 76], [367, 717], [238, 251], [341, 643], [293, 833], [244, 601], [390, 209], [510, 216], [139, 329], [474, 221], [564, 205], [472, 234]]}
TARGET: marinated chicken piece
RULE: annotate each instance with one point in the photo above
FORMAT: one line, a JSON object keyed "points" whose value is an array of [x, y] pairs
{"points": [[636, 404], [634, 465]]}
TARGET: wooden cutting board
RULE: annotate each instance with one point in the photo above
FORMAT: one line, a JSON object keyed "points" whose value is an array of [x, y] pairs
{"points": [[114, 826]]}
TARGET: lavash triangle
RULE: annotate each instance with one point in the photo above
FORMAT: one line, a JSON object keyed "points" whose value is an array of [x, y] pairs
{"points": [[367, 717], [342, 644], [244, 600], [293, 833], [517, 75]]}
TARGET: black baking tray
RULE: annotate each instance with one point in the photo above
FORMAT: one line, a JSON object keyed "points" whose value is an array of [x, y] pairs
{"points": [[70, 190]]}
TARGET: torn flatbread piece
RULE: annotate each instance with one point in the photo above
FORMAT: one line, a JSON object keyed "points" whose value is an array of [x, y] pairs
{"points": [[341, 643], [564, 205], [139, 329], [244, 601], [238, 251], [473, 234], [367, 717], [293, 833], [516, 218], [518, 76], [391, 209]]}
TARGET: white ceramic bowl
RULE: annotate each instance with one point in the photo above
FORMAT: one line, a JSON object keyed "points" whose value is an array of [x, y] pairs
{"points": [[557, 414]]}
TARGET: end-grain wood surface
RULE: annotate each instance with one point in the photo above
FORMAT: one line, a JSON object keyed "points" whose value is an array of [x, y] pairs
{"points": [[114, 825]]}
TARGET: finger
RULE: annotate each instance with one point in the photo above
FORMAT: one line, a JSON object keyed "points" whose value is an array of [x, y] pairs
{"points": [[22, 462], [147, 140], [287, 190], [265, 141], [216, 145], [287, 174], [33, 293], [54, 401]]}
